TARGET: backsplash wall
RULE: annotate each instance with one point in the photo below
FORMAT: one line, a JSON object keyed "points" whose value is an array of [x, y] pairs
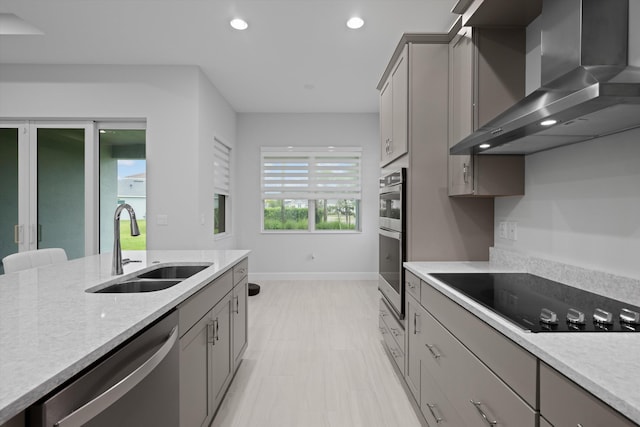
{"points": [[581, 206]]}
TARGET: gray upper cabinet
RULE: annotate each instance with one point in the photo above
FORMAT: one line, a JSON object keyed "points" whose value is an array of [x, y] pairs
{"points": [[497, 13], [394, 101], [487, 73]]}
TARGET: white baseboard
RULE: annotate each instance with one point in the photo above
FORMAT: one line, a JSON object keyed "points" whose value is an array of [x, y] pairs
{"points": [[254, 277]]}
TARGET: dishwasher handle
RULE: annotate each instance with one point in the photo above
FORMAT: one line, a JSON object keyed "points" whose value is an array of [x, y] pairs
{"points": [[92, 408]]}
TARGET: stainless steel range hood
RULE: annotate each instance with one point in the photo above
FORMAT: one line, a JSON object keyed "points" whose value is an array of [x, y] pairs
{"points": [[587, 86]]}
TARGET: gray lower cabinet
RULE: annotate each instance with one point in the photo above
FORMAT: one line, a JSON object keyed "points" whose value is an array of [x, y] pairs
{"points": [[456, 383], [239, 317], [392, 335], [415, 344], [563, 403], [434, 405], [220, 340], [213, 337]]}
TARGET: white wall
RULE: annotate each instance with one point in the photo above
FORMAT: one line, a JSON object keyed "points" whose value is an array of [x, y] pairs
{"points": [[289, 255], [181, 108], [582, 202]]}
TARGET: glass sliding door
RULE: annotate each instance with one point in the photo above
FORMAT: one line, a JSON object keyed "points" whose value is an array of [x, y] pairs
{"points": [[123, 179], [60, 189], [9, 220]]}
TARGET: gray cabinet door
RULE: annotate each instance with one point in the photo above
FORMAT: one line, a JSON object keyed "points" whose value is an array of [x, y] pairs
{"points": [[394, 111], [564, 403], [461, 109], [239, 309], [386, 120], [196, 407], [414, 346], [221, 349]]}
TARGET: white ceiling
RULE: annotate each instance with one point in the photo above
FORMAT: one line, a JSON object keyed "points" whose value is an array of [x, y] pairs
{"points": [[296, 56]]}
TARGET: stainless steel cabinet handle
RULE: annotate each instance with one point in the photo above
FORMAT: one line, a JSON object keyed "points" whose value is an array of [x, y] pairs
{"points": [[465, 173], [432, 350], [92, 408], [237, 310], [217, 330], [415, 323], [211, 338], [482, 414], [435, 416]]}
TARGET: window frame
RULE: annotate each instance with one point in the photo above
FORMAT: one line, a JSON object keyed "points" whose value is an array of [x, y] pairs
{"points": [[222, 184], [313, 152]]}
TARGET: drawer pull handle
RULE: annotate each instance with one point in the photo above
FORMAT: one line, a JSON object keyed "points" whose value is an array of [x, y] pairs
{"points": [[211, 334], [415, 323], [482, 414], [435, 416], [432, 349]]}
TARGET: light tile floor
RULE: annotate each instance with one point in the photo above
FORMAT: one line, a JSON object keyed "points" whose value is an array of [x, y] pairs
{"points": [[315, 359]]}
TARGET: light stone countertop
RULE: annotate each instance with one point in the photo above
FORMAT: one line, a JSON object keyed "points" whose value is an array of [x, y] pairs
{"points": [[605, 364], [51, 329]]}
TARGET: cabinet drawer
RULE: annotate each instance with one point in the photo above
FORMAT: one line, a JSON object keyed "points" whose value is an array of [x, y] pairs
{"points": [[564, 403], [435, 407], [390, 340], [240, 270], [395, 328], [412, 284], [514, 365], [199, 304], [470, 386], [392, 345]]}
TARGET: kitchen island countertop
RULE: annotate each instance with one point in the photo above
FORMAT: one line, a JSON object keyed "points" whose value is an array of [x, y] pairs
{"points": [[51, 329], [605, 364]]}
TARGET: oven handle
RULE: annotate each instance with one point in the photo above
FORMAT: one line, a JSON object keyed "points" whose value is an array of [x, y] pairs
{"points": [[396, 188], [391, 234], [89, 410]]}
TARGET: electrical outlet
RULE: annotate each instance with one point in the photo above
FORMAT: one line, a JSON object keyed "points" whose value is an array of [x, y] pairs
{"points": [[502, 230], [162, 219], [512, 230]]}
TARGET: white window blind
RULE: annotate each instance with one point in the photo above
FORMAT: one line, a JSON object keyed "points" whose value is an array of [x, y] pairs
{"points": [[311, 173], [221, 168]]}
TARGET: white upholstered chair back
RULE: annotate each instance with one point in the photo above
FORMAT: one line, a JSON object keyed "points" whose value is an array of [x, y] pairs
{"points": [[31, 259]]}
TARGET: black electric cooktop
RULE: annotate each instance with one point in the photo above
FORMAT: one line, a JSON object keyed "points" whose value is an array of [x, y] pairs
{"points": [[542, 305]]}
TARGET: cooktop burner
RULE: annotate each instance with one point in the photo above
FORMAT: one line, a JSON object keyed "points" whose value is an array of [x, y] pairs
{"points": [[542, 305]]}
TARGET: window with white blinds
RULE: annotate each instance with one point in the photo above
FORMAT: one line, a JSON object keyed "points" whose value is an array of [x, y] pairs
{"points": [[221, 187], [311, 173], [221, 168]]}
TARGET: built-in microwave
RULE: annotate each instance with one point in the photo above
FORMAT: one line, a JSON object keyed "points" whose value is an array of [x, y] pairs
{"points": [[391, 247]]}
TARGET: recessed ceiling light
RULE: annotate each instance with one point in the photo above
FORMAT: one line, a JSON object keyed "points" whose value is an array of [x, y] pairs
{"points": [[483, 146], [548, 122], [355, 23], [239, 24]]}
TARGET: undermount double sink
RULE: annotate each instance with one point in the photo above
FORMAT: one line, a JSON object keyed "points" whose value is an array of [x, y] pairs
{"points": [[157, 279]]}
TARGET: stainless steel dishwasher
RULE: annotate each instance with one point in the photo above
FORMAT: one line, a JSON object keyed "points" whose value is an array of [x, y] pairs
{"points": [[137, 385]]}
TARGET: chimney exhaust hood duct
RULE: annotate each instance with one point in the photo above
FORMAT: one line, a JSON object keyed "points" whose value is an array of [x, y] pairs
{"points": [[588, 90]]}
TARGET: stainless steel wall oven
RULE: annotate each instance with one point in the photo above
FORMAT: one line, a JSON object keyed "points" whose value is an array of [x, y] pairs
{"points": [[392, 240]]}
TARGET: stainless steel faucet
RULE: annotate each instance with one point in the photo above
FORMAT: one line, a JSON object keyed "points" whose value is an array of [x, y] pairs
{"points": [[116, 266]]}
